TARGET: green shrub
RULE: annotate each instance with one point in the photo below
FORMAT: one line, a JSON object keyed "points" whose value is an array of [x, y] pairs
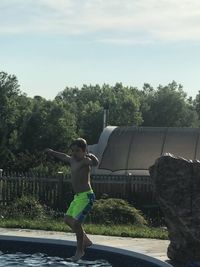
{"points": [[116, 211], [27, 207]]}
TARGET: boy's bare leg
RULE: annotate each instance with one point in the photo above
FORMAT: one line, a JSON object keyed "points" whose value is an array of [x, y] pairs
{"points": [[70, 221], [86, 241], [82, 239]]}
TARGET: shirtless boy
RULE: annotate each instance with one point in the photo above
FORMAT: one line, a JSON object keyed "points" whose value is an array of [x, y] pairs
{"points": [[80, 162]]}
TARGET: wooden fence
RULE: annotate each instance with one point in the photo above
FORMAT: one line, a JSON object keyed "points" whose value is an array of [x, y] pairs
{"points": [[56, 192]]}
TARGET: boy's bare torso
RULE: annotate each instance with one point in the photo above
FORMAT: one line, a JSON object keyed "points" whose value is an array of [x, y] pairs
{"points": [[80, 176], [80, 163]]}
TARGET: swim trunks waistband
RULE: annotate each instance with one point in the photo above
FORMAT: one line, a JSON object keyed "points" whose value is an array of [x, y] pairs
{"points": [[85, 192]]}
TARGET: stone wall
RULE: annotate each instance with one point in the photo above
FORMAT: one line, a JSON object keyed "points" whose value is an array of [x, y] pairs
{"points": [[176, 183]]}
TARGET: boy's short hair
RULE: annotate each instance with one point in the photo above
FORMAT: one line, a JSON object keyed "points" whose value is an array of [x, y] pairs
{"points": [[79, 142]]}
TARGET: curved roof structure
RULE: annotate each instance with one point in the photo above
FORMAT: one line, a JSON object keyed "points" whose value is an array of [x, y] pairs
{"points": [[129, 149]]}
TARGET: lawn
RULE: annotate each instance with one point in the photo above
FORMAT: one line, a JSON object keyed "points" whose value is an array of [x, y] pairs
{"points": [[95, 229]]}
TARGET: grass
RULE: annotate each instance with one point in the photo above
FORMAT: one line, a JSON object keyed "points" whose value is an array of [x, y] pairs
{"points": [[95, 229]]}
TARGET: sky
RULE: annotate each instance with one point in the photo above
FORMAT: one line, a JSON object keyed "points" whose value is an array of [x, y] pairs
{"points": [[53, 44]]}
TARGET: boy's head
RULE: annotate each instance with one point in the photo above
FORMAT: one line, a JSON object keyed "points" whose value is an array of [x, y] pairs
{"points": [[79, 148]]}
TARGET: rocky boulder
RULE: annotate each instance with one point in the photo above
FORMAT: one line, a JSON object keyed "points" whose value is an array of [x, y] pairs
{"points": [[176, 183]]}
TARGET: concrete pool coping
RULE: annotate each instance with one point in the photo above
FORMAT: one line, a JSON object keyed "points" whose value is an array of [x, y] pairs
{"points": [[150, 247]]}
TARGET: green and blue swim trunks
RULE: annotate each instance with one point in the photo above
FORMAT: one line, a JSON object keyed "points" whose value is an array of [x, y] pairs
{"points": [[81, 205]]}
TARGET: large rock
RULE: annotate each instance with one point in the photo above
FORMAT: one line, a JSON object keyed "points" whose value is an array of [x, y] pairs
{"points": [[176, 182]]}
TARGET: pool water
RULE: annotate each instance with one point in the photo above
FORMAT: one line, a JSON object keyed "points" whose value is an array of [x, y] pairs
{"points": [[20, 259]]}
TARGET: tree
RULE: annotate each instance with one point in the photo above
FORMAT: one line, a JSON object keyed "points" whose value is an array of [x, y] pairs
{"points": [[89, 102], [29, 125], [196, 104], [91, 122], [9, 93], [168, 107], [123, 104], [50, 124]]}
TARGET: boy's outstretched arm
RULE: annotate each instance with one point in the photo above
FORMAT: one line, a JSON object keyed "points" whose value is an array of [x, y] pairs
{"points": [[91, 159], [59, 155]]}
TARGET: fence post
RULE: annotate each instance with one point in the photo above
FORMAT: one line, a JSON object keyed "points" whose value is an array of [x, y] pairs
{"points": [[1, 173], [129, 192], [60, 190]]}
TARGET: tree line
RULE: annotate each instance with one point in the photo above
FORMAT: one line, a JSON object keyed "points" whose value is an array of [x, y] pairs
{"points": [[29, 125]]}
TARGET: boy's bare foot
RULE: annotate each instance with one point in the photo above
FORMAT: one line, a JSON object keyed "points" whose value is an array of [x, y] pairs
{"points": [[77, 256]]}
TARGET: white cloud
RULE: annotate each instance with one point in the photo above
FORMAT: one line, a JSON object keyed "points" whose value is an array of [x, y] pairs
{"points": [[121, 20]]}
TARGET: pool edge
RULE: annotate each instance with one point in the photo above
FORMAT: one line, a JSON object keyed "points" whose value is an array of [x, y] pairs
{"points": [[94, 246]]}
